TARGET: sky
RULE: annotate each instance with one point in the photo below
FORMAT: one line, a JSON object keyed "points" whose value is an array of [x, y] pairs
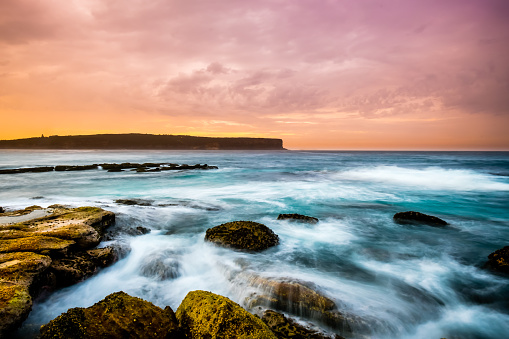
{"points": [[319, 74]]}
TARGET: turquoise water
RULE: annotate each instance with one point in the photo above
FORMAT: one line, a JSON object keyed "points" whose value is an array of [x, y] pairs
{"points": [[414, 281]]}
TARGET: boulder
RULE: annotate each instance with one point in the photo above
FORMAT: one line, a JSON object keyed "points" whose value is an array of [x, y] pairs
{"points": [[418, 218], [2, 209], [297, 217], [117, 316], [499, 260], [242, 235], [19, 272], [302, 299], [284, 327], [207, 315]]}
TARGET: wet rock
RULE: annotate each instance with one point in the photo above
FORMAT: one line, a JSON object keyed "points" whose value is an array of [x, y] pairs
{"points": [[499, 260], [242, 235], [298, 217], [132, 202], [302, 299], [132, 231], [160, 266], [2, 209], [27, 170], [74, 268], [18, 271], [45, 249], [117, 316], [418, 218], [207, 315], [75, 168], [284, 327]]}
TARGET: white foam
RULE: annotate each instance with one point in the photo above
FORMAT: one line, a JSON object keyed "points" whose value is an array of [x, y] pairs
{"points": [[427, 178]]}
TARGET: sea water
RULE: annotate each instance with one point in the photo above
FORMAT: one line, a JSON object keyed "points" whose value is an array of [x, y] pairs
{"points": [[413, 281]]}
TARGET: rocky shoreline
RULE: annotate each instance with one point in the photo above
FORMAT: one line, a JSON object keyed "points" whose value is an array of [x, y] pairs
{"points": [[43, 249], [145, 167]]}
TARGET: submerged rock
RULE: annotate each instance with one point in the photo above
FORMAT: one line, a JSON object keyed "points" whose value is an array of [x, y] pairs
{"points": [[117, 316], [207, 315], [418, 218], [131, 202], [242, 235], [284, 327], [499, 260], [47, 248], [298, 217]]}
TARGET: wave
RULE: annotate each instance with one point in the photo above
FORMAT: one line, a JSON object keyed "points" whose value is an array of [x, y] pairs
{"points": [[431, 178]]}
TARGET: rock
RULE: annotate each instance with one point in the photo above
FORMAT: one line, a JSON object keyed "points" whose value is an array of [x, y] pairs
{"points": [[418, 218], [499, 260], [44, 249], [132, 231], [27, 170], [161, 266], [207, 315], [302, 299], [2, 209], [242, 235], [76, 267], [38, 244], [18, 272], [131, 202], [298, 217], [75, 168], [284, 327], [117, 316]]}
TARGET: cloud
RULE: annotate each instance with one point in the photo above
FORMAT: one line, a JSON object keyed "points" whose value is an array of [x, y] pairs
{"points": [[248, 61]]}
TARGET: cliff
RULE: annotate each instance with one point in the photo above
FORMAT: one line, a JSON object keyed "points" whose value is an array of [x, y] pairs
{"points": [[142, 141]]}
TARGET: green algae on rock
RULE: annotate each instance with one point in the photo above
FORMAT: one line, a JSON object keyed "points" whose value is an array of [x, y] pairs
{"points": [[18, 272], [207, 315], [242, 235], [117, 316], [45, 249]]}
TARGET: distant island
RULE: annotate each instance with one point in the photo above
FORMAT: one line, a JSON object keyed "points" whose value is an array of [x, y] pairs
{"points": [[142, 141]]}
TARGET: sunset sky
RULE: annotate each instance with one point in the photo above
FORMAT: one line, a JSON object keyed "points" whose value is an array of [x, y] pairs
{"points": [[349, 74]]}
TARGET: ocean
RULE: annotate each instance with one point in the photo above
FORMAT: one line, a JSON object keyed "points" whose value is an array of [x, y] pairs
{"points": [[414, 281]]}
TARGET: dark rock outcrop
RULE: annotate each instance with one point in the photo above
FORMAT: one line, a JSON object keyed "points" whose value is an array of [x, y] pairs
{"points": [[117, 316], [418, 218], [242, 235], [43, 249], [27, 170], [132, 202], [298, 217], [284, 328], [499, 260], [207, 315], [75, 168], [2, 209]]}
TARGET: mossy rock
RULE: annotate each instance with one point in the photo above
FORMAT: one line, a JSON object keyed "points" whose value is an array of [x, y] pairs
{"points": [[499, 260], [242, 235], [18, 270], [284, 328], [207, 315], [117, 316], [412, 217], [38, 244]]}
